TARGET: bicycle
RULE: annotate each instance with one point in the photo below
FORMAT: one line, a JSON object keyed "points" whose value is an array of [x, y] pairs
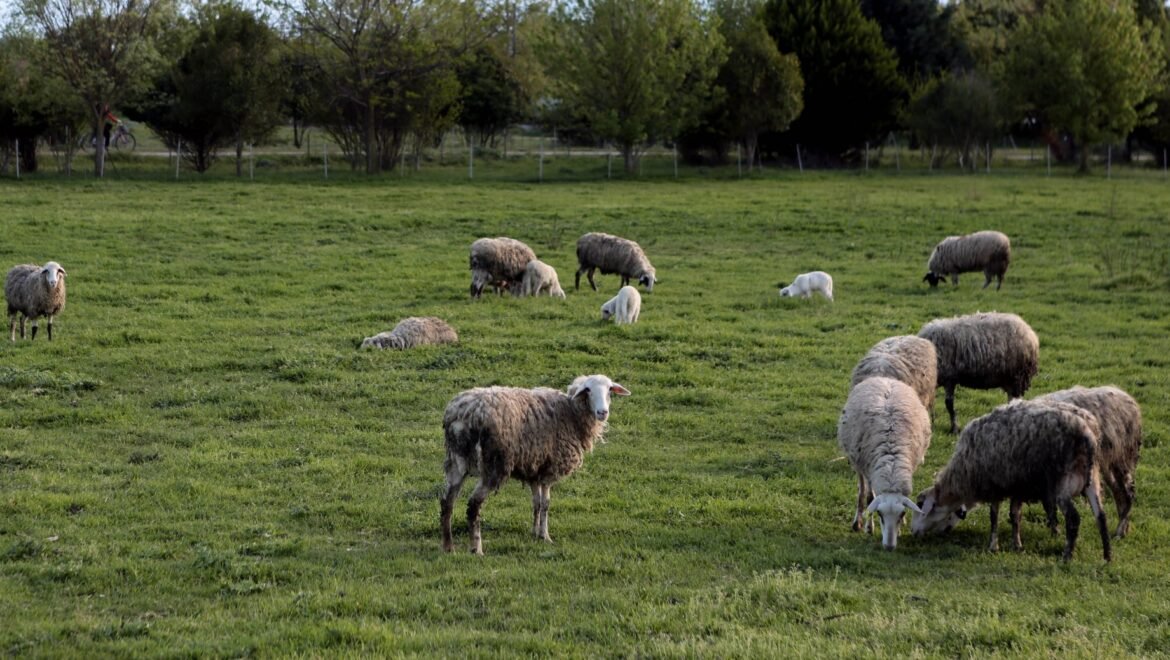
{"points": [[121, 139]]}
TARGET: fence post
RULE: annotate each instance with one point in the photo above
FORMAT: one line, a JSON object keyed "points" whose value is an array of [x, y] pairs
{"points": [[608, 164], [1048, 158], [989, 157], [251, 162], [867, 156], [178, 157], [738, 161], [325, 158], [17, 154], [542, 160], [470, 158], [1109, 162], [676, 161], [799, 160]]}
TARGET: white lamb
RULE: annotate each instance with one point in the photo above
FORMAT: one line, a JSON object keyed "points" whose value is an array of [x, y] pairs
{"points": [[539, 276], [624, 307], [806, 283]]}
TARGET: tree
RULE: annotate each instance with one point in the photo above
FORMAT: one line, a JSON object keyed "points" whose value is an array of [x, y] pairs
{"points": [[33, 103], [1082, 67], [634, 70], [985, 26], [491, 98], [921, 33], [957, 111]]}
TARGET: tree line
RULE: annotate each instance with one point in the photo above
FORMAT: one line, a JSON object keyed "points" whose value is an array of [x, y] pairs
{"points": [[384, 78]]}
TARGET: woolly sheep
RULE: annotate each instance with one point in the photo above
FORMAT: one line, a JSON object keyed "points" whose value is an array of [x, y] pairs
{"points": [[613, 254], [806, 283], [884, 431], [983, 351], [624, 307], [1025, 451], [539, 276], [537, 436], [1120, 419], [32, 292], [414, 331], [987, 251], [500, 262], [907, 358]]}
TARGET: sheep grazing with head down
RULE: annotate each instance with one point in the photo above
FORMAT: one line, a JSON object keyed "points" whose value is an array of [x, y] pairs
{"points": [[987, 251], [983, 351], [32, 292], [806, 283], [884, 431], [613, 254], [500, 262], [414, 331], [537, 436], [538, 277], [907, 358], [1024, 451], [623, 308]]}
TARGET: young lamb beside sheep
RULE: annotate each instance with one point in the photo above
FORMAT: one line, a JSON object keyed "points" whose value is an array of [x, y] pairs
{"points": [[613, 254], [414, 331], [1025, 451], [500, 262], [624, 307], [884, 431], [983, 351], [538, 277], [1120, 419], [907, 358], [806, 283], [32, 292], [538, 436], [987, 251]]}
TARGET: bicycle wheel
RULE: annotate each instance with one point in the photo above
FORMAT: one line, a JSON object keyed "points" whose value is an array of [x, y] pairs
{"points": [[125, 142]]}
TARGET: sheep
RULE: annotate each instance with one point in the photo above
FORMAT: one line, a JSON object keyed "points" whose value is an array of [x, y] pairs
{"points": [[624, 307], [500, 262], [987, 251], [414, 331], [983, 351], [539, 276], [806, 283], [907, 358], [613, 254], [1120, 419], [538, 436], [32, 292], [884, 431], [1026, 451]]}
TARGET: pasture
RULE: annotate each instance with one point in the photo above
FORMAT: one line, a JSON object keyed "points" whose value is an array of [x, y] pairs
{"points": [[202, 462]]}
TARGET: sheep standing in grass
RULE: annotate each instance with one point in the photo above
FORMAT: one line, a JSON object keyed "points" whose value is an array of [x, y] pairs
{"points": [[884, 431], [32, 292], [983, 351], [500, 262], [806, 283], [624, 307], [539, 276], [1025, 451], [1120, 419], [907, 358], [613, 254], [538, 436], [414, 331], [987, 251]]}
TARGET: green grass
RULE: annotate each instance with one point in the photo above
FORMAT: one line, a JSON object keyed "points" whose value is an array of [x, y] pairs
{"points": [[202, 462]]}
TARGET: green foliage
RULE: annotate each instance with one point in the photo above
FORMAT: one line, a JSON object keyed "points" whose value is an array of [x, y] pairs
{"points": [[958, 111], [921, 33], [491, 99], [34, 104]]}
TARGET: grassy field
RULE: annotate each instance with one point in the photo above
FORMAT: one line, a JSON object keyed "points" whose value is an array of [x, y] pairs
{"points": [[202, 462]]}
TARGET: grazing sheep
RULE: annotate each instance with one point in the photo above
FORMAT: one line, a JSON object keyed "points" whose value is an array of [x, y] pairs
{"points": [[613, 254], [806, 283], [1120, 419], [983, 351], [624, 307], [500, 262], [539, 276], [1025, 451], [538, 436], [907, 358], [884, 431], [414, 331], [32, 292], [987, 251]]}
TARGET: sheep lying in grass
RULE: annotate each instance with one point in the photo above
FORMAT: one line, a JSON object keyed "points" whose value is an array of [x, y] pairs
{"points": [[500, 262], [884, 431], [1025, 451], [983, 351], [987, 251], [414, 331], [538, 436], [613, 254], [538, 277], [623, 308], [806, 283], [907, 358], [32, 292]]}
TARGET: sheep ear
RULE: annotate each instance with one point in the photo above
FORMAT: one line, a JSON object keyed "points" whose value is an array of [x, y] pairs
{"points": [[962, 513], [617, 389], [577, 390], [909, 504], [872, 505]]}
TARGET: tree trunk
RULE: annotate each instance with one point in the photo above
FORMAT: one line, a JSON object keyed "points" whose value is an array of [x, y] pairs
{"points": [[629, 157], [239, 158], [28, 154], [99, 146], [371, 138], [751, 142]]}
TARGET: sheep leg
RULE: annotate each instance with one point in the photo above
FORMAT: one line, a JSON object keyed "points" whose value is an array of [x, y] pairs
{"points": [[537, 496], [1072, 525], [859, 520], [473, 523], [12, 326], [1093, 492], [34, 329], [987, 280], [1121, 484], [1050, 515], [546, 497], [951, 408], [590, 276], [955, 279], [49, 327], [456, 473], [993, 509], [1015, 513]]}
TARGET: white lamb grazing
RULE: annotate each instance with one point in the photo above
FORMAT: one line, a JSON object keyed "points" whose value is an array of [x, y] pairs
{"points": [[624, 307], [539, 276], [806, 283]]}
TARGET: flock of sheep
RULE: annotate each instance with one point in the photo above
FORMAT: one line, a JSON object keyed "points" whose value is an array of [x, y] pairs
{"points": [[1049, 449]]}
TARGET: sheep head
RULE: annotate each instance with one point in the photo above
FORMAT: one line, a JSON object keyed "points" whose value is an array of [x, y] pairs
{"points": [[595, 390], [53, 274], [891, 507], [936, 513]]}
